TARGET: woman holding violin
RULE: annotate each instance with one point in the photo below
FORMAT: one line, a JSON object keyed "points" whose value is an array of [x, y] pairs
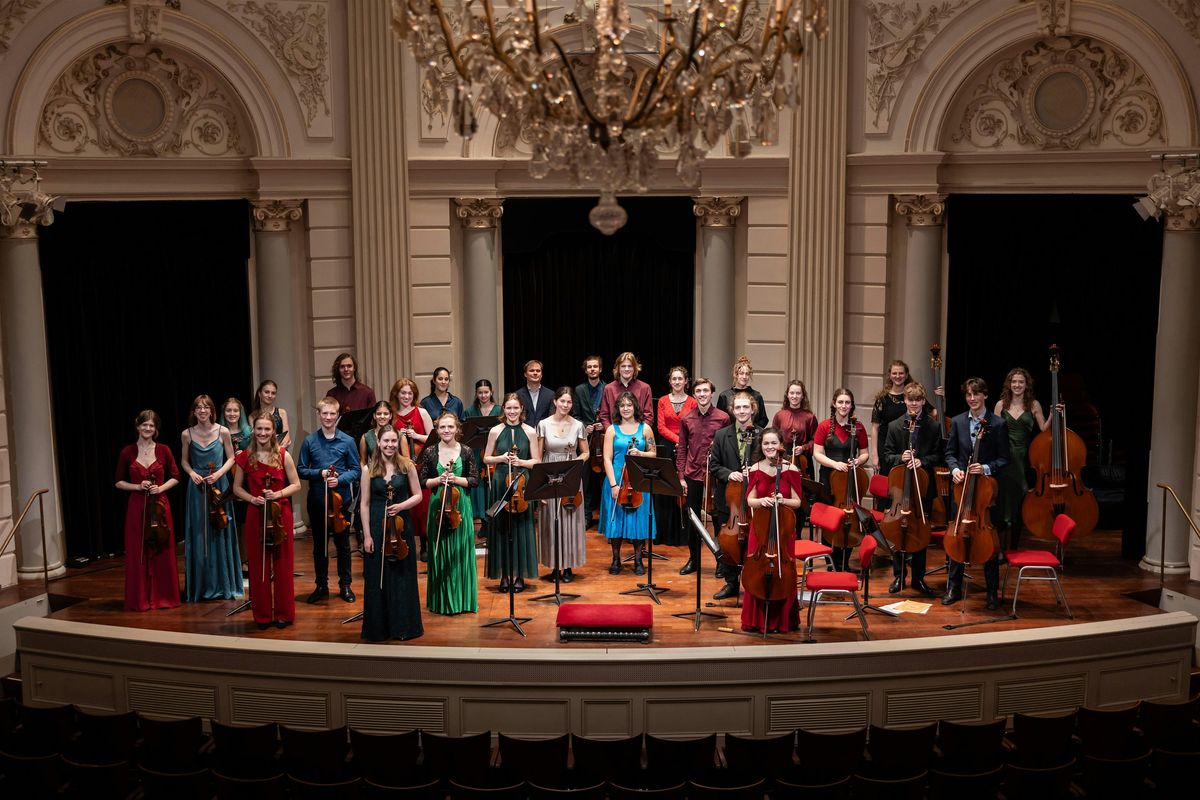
{"points": [[624, 512], [213, 567], [561, 438], [415, 426], [1022, 413], [772, 482], [797, 424], [448, 471], [147, 469], [382, 417], [266, 478], [512, 448], [840, 445], [668, 511], [485, 405], [390, 487]]}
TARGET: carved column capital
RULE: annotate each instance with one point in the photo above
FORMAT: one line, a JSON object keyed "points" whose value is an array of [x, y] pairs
{"points": [[23, 207], [276, 215], [479, 213], [1183, 219], [922, 210], [718, 212]]}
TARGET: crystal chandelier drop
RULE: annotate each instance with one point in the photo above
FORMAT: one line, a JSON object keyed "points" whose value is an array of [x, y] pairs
{"points": [[600, 98]]}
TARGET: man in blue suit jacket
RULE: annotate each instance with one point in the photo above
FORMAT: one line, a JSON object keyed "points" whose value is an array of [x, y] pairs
{"points": [[537, 399], [993, 457]]}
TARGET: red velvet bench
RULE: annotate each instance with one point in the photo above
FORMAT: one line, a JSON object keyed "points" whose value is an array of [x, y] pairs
{"points": [[605, 622]]}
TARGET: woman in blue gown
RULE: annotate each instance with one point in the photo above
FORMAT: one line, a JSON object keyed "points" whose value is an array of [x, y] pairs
{"points": [[213, 567], [628, 436]]}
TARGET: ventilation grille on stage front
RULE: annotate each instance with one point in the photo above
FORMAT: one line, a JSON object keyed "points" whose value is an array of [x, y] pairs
{"points": [[390, 714], [299, 710], [1040, 695], [172, 699], [819, 713], [912, 708]]}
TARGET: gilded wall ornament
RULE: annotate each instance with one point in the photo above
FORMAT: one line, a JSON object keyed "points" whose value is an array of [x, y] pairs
{"points": [[13, 15], [298, 35], [1188, 14], [1063, 93], [135, 100], [898, 32]]}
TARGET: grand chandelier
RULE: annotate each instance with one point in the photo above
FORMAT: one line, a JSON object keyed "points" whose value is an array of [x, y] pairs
{"points": [[599, 98]]}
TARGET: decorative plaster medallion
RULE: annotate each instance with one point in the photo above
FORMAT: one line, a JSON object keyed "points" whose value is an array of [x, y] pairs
{"points": [[1054, 17], [1188, 14], [298, 35], [12, 18], [479, 213], [145, 17], [276, 215], [922, 210], [135, 100], [718, 212], [898, 32], [1062, 93]]}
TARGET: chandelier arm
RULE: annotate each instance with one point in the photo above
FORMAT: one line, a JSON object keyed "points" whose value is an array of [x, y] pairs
{"points": [[579, 96], [447, 36], [650, 91]]}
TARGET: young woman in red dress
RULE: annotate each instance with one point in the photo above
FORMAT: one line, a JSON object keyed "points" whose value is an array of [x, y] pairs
{"points": [[415, 426], [272, 595], [782, 616], [147, 469], [671, 407]]}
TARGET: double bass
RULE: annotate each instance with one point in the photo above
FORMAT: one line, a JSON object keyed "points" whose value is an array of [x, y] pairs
{"points": [[971, 536], [941, 475], [906, 529], [769, 573], [847, 489], [1057, 456]]}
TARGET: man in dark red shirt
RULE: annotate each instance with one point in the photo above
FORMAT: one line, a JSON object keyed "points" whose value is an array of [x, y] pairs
{"points": [[696, 431], [351, 394], [625, 371]]}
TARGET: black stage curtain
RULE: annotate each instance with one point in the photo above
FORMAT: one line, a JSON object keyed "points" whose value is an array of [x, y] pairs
{"points": [[1080, 271], [570, 290], [146, 307]]}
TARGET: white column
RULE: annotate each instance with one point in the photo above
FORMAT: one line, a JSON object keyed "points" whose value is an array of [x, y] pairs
{"points": [[922, 315], [482, 292], [1176, 364], [718, 226], [28, 384]]}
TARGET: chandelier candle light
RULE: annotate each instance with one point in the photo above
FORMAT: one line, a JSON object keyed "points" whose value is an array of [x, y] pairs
{"points": [[599, 98]]}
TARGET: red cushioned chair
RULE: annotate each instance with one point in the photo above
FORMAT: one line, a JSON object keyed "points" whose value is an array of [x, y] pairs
{"points": [[845, 583], [808, 553], [1041, 565]]}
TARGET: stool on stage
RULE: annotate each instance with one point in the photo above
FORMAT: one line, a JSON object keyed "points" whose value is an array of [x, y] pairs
{"points": [[605, 622]]}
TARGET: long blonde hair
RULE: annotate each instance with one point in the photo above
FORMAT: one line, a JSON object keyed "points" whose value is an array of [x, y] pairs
{"points": [[400, 462], [254, 447]]}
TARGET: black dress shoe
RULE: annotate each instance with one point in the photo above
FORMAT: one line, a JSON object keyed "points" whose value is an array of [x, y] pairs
{"points": [[951, 596], [567, 575], [262, 626], [688, 568], [282, 623], [894, 588], [615, 567], [639, 568], [924, 588], [726, 591], [993, 602], [319, 594], [519, 585], [504, 585], [347, 594]]}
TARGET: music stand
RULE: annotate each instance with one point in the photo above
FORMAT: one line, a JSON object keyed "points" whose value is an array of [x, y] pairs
{"points": [[652, 476], [493, 511], [702, 533], [356, 423], [869, 527], [475, 432], [551, 481]]}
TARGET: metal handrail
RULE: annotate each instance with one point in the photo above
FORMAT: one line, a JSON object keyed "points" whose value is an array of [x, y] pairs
{"points": [[1182, 509], [1162, 535], [36, 494]]}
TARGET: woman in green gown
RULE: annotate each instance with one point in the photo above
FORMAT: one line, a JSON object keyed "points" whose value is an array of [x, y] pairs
{"points": [[452, 580], [1023, 416], [485, 406], [512, 447]]}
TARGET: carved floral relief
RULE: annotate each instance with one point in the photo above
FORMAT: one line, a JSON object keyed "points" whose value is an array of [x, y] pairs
{"points": [[13, 15], [1188, 14]]}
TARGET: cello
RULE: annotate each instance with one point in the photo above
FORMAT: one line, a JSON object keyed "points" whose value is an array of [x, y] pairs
{"points": [[904, 529], [769, 574], [941, 475], [732, 537], [971, 537], [847, 488], [1057, 456]]}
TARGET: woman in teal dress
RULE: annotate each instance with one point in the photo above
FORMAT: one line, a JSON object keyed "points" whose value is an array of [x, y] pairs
{"points": [[213, 566], [370, 440], [451, 587], [390, 487], [1023, 415], [485, 406], [512, 447], [628, 436]]}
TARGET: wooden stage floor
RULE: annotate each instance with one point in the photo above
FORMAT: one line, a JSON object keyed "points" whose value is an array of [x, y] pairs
{"points": [[1095, 581]]}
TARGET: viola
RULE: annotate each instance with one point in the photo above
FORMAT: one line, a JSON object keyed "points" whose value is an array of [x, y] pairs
{"points": [[517, 503], [847, 490], [628, 498], [156, 534], [335, 519], [904, 528], [448, 514], [576, 500], [1057, 456], [273, 533], [971, 536], [218, 517], [393, 528], [769, 573], [596, 450]]}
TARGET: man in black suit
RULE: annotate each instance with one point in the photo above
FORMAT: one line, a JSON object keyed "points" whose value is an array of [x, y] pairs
{"points": [[993, 457], [537, 399], [587, 410], [732, 451], [928, 452]]}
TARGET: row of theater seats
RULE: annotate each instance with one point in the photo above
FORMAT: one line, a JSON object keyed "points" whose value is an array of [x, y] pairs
{"points": [[1146, 749]]}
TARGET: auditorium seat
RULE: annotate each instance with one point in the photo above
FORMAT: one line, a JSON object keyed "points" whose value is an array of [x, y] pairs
{"points": [[490, 784], [170, 745], [1042, 782], [767, 756], [670, 761], [430, 789], [246, 751], [894, 753], [319, 756], [969, 748], [647, 789], [606, 759], [825, 759], [1110, 733], [388, 759], [447, 756], [1171, 725], [194, 785], [234, 787], [545, 759], [86, 781], [43, 730], [104, 738], [347, 788], [726, 786], [911, 787], [1042, 741], [574, 790]]}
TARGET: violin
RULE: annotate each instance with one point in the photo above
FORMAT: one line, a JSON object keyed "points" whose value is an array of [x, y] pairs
{"points": [[156, 534], [273, 533], [517, 503], [218, 517], [575, 501], [335, 519], [1057, 456], [769, 573], [733, 537], [628, 498], [906, 530], [941, 475], [971, 537], [847, 489], [449, 515], [393, 531]]}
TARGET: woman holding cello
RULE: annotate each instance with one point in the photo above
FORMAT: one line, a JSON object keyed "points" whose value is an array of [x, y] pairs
{"points": [[625, 513], [147, 469], [840, 445], [773, 483], [390, 487], [512, 446], [448, 471], [561, 438], [264, 477], [1022, 413]]}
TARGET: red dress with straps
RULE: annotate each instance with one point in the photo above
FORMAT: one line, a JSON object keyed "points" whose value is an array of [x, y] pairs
{"points": [[272, 593]]}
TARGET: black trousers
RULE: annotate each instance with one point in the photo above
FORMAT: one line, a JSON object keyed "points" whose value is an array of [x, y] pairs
{"points": [[316, 517], [916, 563]]}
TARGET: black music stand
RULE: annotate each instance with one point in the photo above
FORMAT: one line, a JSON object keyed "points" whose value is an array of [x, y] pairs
{"points": [[551, 481], [475, 432], [869, 527], [495, 510], [356, 423], [702, 533], [652, 476]]}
